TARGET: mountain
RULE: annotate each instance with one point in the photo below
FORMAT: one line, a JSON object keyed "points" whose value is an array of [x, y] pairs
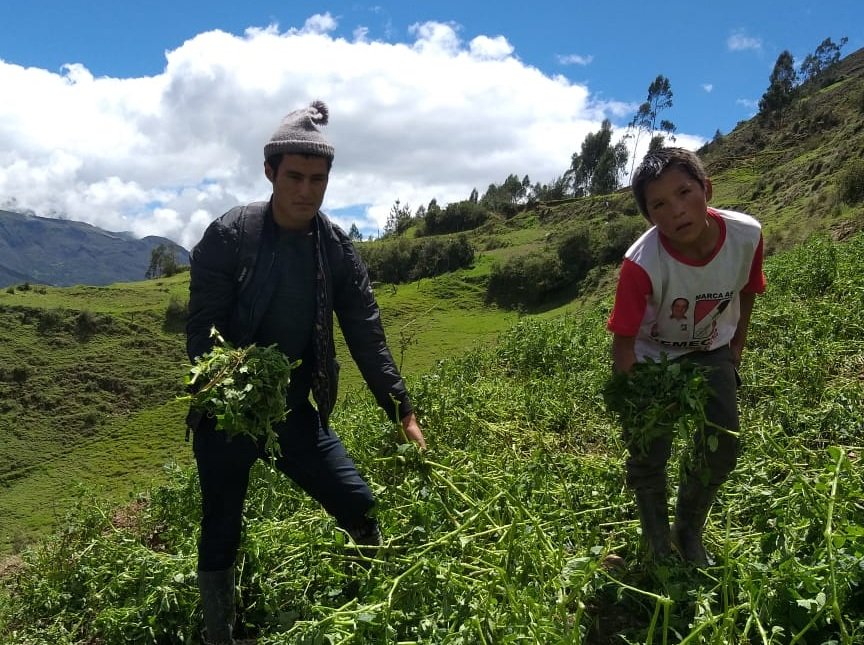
{"points": [[64, 253]]}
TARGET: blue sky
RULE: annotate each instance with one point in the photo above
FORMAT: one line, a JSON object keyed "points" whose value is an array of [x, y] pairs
{"points": [[150, 116]]}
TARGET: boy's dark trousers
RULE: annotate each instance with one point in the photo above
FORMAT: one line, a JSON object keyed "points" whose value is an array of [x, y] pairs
{"points": [[312, 456], [704, 472]]}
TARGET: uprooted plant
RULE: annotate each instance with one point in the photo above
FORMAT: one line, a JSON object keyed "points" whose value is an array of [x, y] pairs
{"points": [[243, 388]]}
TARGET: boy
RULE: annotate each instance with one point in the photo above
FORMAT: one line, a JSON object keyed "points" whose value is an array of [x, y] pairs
{"points": [[713, 259]]}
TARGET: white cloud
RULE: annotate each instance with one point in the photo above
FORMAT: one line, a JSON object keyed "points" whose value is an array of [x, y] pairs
{"points": [[708, 87], [740, 41], [491, 48], [319, 24], [431, 117], [575, 59], [748, 103]]}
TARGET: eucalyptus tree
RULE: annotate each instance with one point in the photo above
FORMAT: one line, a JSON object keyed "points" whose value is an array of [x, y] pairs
{"points": [[647, 118]]}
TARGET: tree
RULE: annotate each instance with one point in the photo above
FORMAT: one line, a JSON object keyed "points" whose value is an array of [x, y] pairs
{"points": [[163, 262], [560, 188], [596, 170], [826, 55], [781, 88], [354, 233], [475, 197], [398, 220], [645, 120]]}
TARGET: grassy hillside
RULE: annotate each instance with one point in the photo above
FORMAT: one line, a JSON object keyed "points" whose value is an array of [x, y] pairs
{"points": [[497, 534], [503, 530]]}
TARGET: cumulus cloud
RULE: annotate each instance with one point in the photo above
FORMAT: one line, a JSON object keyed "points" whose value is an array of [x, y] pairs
{"points": [[432, 117], [740, 41], [708, 87]]}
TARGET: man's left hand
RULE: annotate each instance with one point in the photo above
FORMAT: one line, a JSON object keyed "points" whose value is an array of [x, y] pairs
{"points": [[412, 430]]}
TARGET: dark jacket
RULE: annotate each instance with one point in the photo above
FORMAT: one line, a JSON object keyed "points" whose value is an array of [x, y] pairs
{"points": [[234, 298]]}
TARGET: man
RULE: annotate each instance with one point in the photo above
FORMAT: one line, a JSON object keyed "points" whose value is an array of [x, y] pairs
{"points": [[275, 272]]}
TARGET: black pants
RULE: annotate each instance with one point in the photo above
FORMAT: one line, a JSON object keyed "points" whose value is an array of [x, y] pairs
{"points": [[648, 471], [312, 456]]}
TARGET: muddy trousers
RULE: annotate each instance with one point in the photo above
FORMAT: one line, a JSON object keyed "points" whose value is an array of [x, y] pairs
{"points": [[705, 470]]}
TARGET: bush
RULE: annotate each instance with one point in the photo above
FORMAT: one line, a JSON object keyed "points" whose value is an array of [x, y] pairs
{"points": [[86, 324], [20, 374], [400, 260], [457, 217], [852, 183], [50, 320], [526, 280], [176, 314], [589, 245]]}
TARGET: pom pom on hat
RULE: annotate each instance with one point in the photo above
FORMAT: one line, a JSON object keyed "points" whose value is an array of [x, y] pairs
{"points": [[298, 133]]}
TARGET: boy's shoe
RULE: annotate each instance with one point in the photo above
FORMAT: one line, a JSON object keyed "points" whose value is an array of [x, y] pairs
{"points": [[691, 512], [654, 520]]}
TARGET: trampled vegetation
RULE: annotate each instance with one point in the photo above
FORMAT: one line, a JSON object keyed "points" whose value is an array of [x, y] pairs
{"points": [[501, 532]]}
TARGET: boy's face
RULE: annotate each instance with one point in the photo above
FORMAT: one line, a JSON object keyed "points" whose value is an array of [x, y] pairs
{"points": [[677, 204]]}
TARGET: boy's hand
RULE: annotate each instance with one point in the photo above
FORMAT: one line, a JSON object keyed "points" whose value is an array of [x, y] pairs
{"points": [[737, 350], [623, 353]]}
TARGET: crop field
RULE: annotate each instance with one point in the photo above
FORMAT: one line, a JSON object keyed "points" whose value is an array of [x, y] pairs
{"points": [[515, 526]]}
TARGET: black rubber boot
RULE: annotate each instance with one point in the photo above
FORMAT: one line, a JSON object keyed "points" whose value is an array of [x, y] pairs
{"points": [[217, 604], [367, 536], [654, 518], [691, 511]]}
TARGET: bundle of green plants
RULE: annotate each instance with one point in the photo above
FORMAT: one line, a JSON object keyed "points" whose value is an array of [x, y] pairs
{"points": [[243, 388], [658, 400]]}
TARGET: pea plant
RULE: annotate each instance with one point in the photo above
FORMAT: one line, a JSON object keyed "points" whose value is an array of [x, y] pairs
{"points": [[243, 388], [515, 526]]}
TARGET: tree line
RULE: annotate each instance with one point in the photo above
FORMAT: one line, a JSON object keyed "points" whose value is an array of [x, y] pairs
{"points": [[785, 80]]}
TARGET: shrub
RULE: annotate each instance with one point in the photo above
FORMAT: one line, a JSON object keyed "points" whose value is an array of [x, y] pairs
{"points": [[20, 374], [852, 183], [400, 260], [458, 216], [86, 324], [176, 314], [526, 280], [50, 320]]}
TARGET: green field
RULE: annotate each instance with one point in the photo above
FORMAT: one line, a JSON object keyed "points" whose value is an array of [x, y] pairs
{"points": [[503, 530]]}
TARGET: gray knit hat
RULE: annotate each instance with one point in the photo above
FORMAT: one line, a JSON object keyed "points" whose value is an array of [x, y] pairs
{"points": [[297, 133]]}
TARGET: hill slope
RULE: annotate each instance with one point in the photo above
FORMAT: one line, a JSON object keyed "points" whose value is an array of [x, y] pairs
{"points": [[63, 253]]}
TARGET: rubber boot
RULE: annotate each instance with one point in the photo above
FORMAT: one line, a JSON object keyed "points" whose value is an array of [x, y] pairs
{"points": [[367, 536], [217, 604], [691, 511], [654, 519]]}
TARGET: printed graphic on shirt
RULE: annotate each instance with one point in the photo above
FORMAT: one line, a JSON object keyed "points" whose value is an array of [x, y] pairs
{"points": [[708, 308], [678, 311]]}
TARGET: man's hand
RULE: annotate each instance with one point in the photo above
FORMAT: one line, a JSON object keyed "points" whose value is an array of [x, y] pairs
{"points": [[412, 430]]}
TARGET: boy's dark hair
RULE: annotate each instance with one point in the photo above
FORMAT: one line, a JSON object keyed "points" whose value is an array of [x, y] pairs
{"points": [[274, 160], [656, 162]]}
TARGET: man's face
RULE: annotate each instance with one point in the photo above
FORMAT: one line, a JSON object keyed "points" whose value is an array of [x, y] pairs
{"points": [[679, 309], [299, 185]]}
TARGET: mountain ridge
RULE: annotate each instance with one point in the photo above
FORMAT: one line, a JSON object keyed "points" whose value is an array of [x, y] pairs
{"points": [[63, 253]]}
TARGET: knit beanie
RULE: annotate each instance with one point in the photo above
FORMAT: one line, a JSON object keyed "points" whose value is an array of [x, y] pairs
{"points": [[297, 133]]}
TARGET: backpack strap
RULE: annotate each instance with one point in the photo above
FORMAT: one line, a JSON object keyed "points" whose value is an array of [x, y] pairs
{"points": [[251, 225]]}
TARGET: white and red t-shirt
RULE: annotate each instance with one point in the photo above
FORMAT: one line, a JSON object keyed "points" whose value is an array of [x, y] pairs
{"points": [[674, 305]]}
